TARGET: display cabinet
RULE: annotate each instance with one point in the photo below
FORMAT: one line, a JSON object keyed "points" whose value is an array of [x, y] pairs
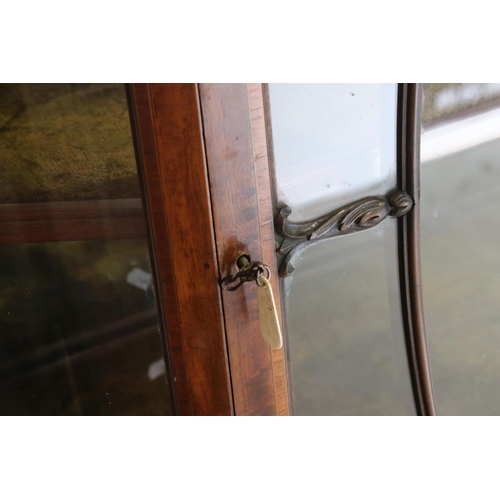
{"points": [[368, 207]]}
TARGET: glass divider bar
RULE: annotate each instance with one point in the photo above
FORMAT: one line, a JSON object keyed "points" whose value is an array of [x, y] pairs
{"points": [[409, 126]]}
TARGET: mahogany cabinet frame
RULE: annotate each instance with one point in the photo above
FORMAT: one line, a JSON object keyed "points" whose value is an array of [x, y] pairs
{"points": [[203, 157], [237, 157]]}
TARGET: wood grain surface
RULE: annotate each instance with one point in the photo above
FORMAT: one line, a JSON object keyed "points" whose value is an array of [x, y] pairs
{"points": [[168, 133], [72, 221], [237, 161], [263, 174]]}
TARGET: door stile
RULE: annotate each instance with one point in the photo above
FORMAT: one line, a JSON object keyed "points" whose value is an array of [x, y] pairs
{"points": [[263, 172], [170, 151], [236, 149]]}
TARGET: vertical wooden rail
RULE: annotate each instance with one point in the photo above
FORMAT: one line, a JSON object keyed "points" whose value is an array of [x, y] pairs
{"points": [[235, 138], [263, 174], [409, 126], [170, 151]]}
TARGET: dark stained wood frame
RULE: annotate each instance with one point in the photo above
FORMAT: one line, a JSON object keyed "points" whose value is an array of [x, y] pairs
{"points": [[168, 135], [236, 148], [72, 221], [409, 129]]}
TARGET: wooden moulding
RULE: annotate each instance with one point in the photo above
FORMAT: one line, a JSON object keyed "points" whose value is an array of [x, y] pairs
{"points": [[236, 149], [72, 221], [168, 134], [266, 213]]}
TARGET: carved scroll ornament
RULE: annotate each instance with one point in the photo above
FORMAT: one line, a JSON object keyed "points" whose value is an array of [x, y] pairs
{"points": [[350, 218]]}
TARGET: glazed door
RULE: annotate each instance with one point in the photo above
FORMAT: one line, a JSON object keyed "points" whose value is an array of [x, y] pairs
{"points": [[320, 183], [349, 216], [276, 173], [327, 202], [384, 240]]}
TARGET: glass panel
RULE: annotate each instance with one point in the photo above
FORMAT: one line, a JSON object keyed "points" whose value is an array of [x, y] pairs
{"points": [[345, 328], [334, 144], [65, 142], [79, 330], [460, 242]]}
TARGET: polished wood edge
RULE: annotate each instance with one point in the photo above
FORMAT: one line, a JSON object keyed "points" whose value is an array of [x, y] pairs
{"points": [[235, 202], [275, 208], [72, 221], [265, 199], [409, 130], [170, 143], [143, 133]]}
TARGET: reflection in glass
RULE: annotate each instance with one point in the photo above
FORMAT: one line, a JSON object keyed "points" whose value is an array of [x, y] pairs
{"points": [[345, 330], [79, 330], [333, 144], [65, 142], [460, 242]]}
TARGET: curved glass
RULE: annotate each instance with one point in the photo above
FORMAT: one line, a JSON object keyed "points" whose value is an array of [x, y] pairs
{"points": [[79, 328], [334, 144], [460, 243]]}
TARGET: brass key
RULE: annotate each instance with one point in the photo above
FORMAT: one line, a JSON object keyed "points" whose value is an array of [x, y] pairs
{"points": [[269, 323], [268, 315]]}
